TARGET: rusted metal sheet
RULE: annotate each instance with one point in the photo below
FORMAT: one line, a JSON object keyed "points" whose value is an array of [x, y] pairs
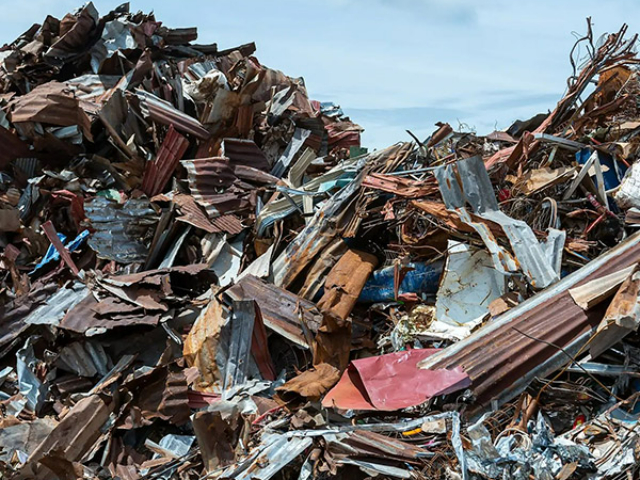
{"points": [[376, 445], [192, 214], [282, 311], [163, 112], [162, 393], [208, 179], [398, 185], [621, 318], [309, 385], [501, 361], [439, 135], [202, 344], [159, 171], [12, 147], [228, 223], [52, 103], [13, 314], [83, 318], [244, 152], [52, 235], [77, 432], [345, 281]]}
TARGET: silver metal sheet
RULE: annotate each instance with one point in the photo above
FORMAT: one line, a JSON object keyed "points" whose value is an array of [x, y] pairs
{"points": [[56, 306], [471, 186], [469, 284]]}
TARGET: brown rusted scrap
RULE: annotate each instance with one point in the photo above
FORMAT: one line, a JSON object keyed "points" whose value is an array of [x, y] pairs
{"points": [[309, 385], [52, 235], [76, 433], [345, 281], [501, 360], [282, 311], [398, 185], [204, 273], [159, 171]]}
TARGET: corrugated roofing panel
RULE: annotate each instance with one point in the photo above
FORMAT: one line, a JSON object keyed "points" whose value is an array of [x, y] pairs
{"points": [[501, 361]]}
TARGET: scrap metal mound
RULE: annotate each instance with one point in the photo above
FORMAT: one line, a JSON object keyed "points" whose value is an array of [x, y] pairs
{"points": [[203, 274]]}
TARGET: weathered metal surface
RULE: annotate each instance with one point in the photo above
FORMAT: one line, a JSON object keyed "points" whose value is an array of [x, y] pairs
{"points": [[158, 171], [210, 182], [501, 361], [202, 347], [239, 348], [52, 103], [82, 318], [471, 185], [282, 311], [119, 228], [345, 281], [371, 383], [400, 186], [281, 166], [244, 152], [469, 284], [165, 113]]}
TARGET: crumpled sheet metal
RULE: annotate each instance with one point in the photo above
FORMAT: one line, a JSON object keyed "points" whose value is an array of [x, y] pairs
{"points": [[214, 183], [281, 208], [621, 318], [77, 431], [469, 284], [158, 171], [51, 103], [501, 362], [544, 457], [23, 437], [345, 281], [84, 319], [316, 235], [203, 345], [244, 152], [372, 383], [282, 311], [281, 166], [85, 359], [476, 190], [55, 307], [12, 315], [163, 112], [119, 228], [275, 451]]}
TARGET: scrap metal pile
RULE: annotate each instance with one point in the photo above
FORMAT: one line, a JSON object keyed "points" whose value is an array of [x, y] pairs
{"points": [[204, 275]]}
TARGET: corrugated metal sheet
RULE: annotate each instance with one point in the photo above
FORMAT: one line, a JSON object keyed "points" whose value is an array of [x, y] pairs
{"points": [[280, 308], [165, 113], [228, 223], [120, 228], [51, 103], [501, 361], [83, 318], [244, 152], [211, 183], [159, 171]]}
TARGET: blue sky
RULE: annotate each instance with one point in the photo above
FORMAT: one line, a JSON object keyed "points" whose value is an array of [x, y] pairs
{"points": [[393, 64]]}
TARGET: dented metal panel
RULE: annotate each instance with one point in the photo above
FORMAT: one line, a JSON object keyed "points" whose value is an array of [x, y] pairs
{"points": [[158, 172], [165, 113], [282, 311], [501, 361]]}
